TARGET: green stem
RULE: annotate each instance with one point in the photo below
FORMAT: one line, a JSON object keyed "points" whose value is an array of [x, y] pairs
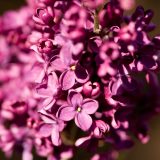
{"points": [[96, 22]]}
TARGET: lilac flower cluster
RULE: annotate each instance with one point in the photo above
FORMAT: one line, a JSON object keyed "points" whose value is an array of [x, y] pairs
{"points": [[77, 75]]}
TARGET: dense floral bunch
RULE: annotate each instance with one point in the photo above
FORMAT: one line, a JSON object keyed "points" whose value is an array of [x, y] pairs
{"points": [[77, 76]]}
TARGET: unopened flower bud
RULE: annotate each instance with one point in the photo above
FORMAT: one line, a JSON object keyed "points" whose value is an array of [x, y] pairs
{"points": [[45, 46], [91, 89], [100, 129]]}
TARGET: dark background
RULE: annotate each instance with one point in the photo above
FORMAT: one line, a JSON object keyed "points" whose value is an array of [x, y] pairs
{"points": [[150, 151]]}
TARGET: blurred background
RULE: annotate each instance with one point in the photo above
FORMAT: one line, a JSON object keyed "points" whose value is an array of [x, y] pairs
{"points": [[150, 151]]}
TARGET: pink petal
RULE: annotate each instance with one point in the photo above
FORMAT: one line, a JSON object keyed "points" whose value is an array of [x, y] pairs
{"points": [[38, 57], [47, 118], [97, 132], [61, 125], [81, 73], [37, 72], [90, 106], [55, 136], [66, 54], [57, 64], [44, 92], [48, 103], [53, 81], [82, 140], [40, 76], [83, 121], [66, 113], [75, 98], [49, 89], [77, 49], [27, 155], [45, 130], [67, 80]]}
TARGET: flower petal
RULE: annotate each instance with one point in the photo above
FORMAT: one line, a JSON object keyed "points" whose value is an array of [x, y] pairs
{"points": [[61, 125], [43, 91], [37, 73], [27, 155], [47, 118], [83, 121], [55, 136], [82, 140], [66, 113], [38, 57], [67, 80], [82, 75], [90, 106], [57, 64], [66, 54], [45, 130], [75, 98], [48, 103], [49, 89], [53, 81]]}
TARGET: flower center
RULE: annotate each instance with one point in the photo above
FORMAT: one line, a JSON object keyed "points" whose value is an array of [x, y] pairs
{"points": [[79, 109], [73, 67]]}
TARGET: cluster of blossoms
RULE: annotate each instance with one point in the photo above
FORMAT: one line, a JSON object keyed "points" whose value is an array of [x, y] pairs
{"points": [[77, 76]]}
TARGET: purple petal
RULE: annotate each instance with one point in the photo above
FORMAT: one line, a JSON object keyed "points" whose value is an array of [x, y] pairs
{"points": [[82, 140], [82, 75], [38, 57], [44, 92], [139, 66], [114, 123], [77, 49], [37, 73], [49, 89], [45, 130], [66, 113], [27, 150], [53, 81], [47, 118], [48, 103], [66, 54], [61, 125], [40, 76], [57, 64], [67, 79], [27, 155], [83, 121], [75, 98], [90, 106], [55, 136]]}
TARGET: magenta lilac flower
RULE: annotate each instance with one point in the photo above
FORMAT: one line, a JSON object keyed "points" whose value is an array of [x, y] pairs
{"points": [[79, 109], [77, 75]]}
